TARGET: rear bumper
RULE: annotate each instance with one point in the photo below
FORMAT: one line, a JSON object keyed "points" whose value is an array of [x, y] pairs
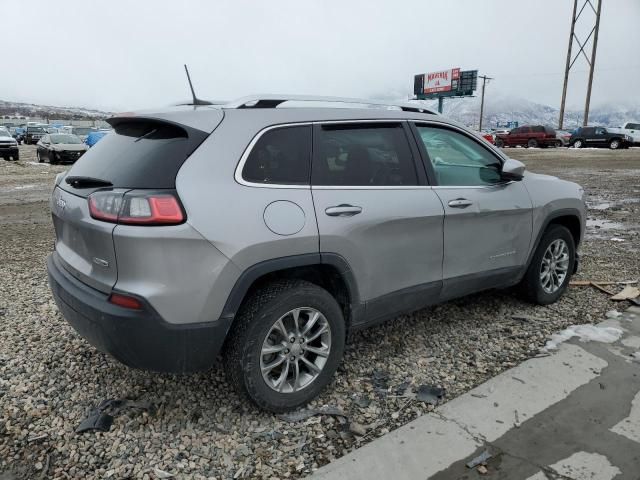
{"points": [[137, 338]]}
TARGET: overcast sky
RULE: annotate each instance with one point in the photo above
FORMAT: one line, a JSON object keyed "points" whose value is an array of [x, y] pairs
{"points": [[120, 54]]}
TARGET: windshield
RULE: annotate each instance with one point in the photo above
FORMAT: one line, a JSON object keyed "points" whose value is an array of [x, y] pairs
{"points": [[82, 130], [36, 129], [4, 133], [72, 139]]}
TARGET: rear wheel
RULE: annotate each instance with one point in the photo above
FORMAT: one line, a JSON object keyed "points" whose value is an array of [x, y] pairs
{"points": [[614, 144], [286, 345], [551, 267], [532, 143], [499, 142]]}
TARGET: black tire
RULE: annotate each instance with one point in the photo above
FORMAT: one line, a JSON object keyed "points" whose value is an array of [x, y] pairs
{"points": [[242, 351], [531, 284], [615, 143], [39, 157], [499, 143], [532, 143], [579, 143]]}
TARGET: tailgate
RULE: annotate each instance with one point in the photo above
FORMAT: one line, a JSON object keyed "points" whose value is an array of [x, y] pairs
{"points": [[84, 245]]}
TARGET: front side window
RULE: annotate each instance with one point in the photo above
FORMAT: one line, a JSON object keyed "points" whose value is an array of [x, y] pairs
{"points": [[375, 154], [457, 159], [280, 156]]}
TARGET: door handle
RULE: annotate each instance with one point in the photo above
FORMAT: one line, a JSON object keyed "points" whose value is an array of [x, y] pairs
{"points": [[460, 203], [343, 211]]}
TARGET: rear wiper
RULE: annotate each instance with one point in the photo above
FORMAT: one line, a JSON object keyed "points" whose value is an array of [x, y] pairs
{"points": [[87, 182]]}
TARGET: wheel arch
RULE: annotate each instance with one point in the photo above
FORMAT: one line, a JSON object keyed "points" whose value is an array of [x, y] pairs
{"points": [[567, 217], [327, 270]]}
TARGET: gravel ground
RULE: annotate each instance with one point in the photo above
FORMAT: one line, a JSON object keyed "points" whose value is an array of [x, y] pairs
{"points": [[195, 426]]}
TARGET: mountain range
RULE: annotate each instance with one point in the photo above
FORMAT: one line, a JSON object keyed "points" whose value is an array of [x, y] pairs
{"points": [[465, 110]]}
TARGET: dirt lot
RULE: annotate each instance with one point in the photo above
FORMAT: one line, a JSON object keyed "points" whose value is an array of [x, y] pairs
{"points": [[195, 427]]}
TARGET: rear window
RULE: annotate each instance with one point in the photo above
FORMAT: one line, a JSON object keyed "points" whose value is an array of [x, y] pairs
{"points": [[139, 154]]}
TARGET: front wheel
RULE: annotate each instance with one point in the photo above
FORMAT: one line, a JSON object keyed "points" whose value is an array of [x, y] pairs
{"points": [[285, 345], [39, 157], [551, 267], [499, 143], [578, 144]]}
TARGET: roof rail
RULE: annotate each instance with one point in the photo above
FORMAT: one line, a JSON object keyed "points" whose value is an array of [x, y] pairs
{"points": [[272, 101]]}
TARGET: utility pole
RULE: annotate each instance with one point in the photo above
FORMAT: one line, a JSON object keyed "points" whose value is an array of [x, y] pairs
{"points": [[590, 61], [592, 65], [484, 81]]}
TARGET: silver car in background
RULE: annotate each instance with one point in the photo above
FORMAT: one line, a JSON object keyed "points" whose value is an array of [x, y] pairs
{"points": [[265, 234]]}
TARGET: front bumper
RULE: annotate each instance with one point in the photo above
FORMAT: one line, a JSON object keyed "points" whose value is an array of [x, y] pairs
{"points": [[137, 338], [9, 151]]}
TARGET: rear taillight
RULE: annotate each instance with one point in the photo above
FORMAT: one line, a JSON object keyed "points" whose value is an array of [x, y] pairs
{"points": [[136, 208]]}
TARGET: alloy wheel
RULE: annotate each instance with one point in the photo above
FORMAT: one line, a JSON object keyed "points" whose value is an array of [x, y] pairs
{"points": [[295, 350], [555, 266]]}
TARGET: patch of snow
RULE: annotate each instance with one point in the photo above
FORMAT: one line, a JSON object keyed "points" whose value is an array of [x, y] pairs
{"points": [[585, 333], [24, 187], [617, 239], [39, 164], [613, 314], [636, 356]]}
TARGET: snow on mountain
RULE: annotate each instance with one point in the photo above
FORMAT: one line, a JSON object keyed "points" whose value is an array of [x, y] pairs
{"points": [[46, 111], [504, 109]]}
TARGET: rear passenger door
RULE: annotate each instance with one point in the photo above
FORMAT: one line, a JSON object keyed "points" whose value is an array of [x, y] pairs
{"points": [[374, 208], [487, 223]]}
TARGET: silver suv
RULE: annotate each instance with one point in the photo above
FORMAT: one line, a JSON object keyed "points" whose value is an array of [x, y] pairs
{"points": [[264, 234]]}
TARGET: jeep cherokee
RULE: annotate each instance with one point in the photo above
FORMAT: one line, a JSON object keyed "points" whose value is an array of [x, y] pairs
{"points": [[264, 234]]}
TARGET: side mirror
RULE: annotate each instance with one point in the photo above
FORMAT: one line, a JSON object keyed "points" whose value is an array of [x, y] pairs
{"points": [[512, 170]]}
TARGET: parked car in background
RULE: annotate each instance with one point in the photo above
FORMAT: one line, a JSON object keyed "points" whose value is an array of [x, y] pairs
{"points": [[488, 136], [60, 148], [33, 134], [600, 137], [94, 137], [632, 129], [529, 136], [17, 133], [328, 226], [82, 132], [8, 145], [564, 136]]}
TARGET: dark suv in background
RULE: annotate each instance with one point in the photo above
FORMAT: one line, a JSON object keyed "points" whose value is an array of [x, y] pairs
{"points": [[33, 135], [599, 137], [529, 136]]}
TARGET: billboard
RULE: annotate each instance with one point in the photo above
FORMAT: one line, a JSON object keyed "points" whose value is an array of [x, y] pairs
{"points": [[448, 83], [443, 81]]}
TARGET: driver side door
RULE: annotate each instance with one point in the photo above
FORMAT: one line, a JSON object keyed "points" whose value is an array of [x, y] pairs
{"points": [[43, 147], [487, 221]]}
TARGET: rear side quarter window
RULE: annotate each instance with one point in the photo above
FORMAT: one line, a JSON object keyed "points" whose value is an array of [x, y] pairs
{"points": [[280, 156]]}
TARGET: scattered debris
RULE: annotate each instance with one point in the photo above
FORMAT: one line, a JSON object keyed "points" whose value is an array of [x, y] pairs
{"points": [[528, 318], [478, 395], [430, 394], [482, 470], [362, 402], [480, 459], [517, 419], [37, 437], [303, 414], [99, 419], [518, 380], [627, 293], [357, 429], [161, 474]]}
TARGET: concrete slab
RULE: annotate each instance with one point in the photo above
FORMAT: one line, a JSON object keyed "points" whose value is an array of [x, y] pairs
{"points": [[575, 413], [630, 426], [582, 466]]}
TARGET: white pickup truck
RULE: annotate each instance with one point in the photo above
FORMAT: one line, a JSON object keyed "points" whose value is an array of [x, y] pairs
{"points": [[632, 129]]}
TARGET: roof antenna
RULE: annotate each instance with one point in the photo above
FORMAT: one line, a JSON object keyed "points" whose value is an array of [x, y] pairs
{"points": [[196, 100]]}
